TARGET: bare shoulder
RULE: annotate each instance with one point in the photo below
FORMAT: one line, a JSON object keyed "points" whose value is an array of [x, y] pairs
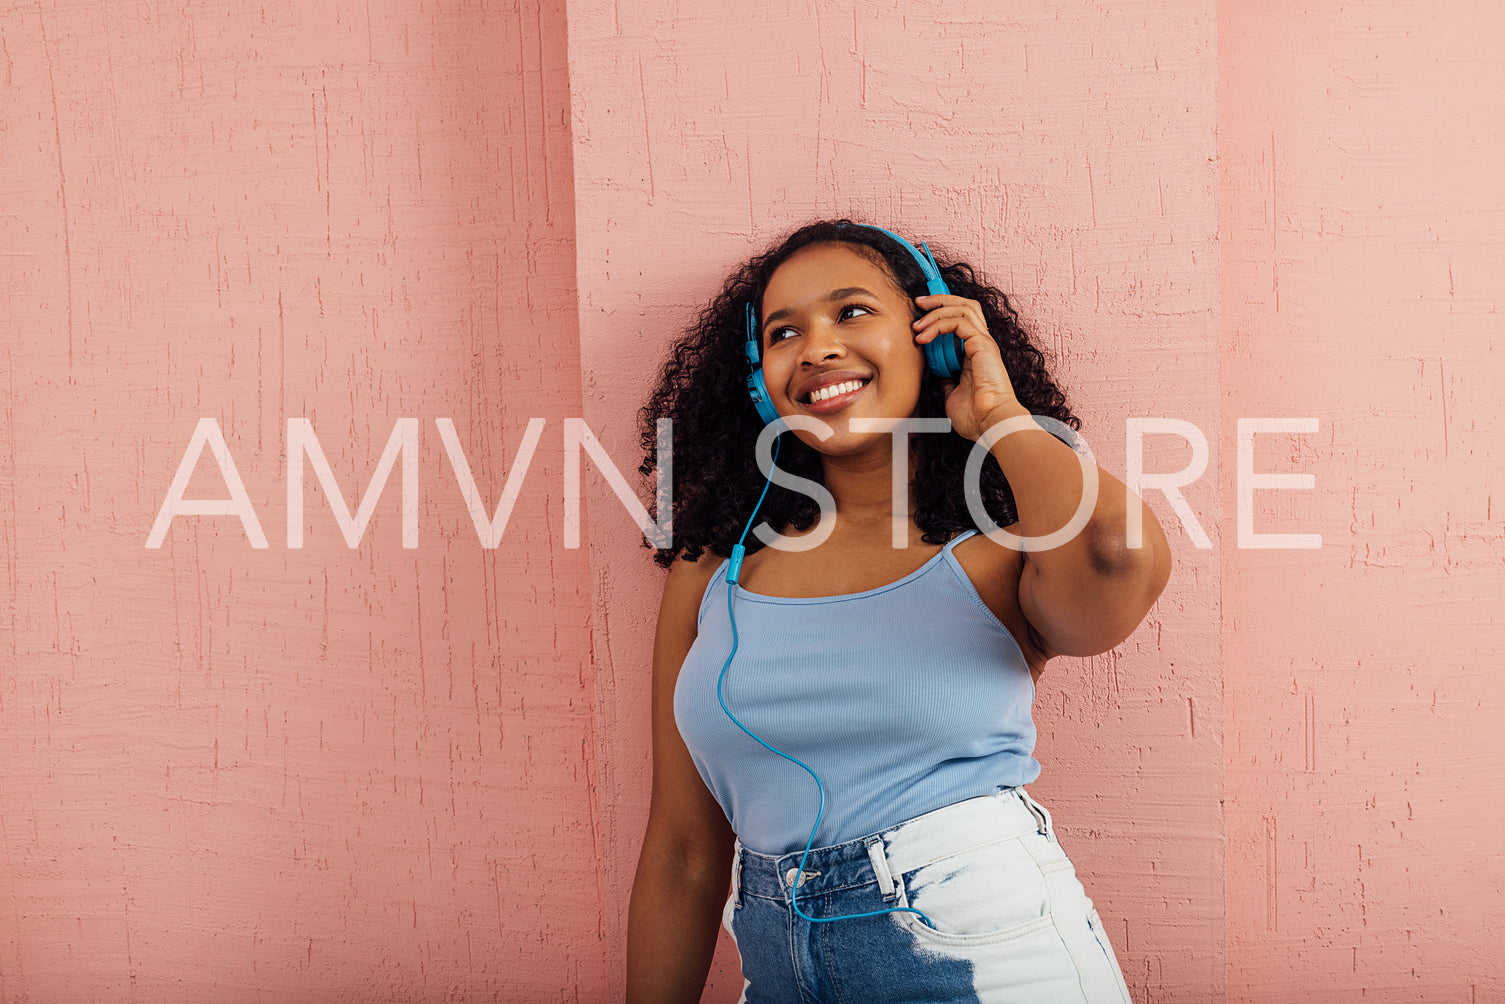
{"points": [[684, 587], [995, 571], [688, 576]]}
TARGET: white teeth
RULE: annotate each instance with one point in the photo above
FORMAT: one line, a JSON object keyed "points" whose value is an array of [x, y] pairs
{"points": [[828, 392]]}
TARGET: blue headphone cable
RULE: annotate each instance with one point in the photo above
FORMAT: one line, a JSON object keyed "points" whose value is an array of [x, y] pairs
{"points": [[733, 572]]}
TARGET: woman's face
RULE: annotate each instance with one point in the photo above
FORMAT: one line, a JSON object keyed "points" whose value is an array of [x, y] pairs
{"points": [[837, 345]]}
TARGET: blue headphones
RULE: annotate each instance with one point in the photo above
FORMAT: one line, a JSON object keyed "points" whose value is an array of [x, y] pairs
{"points": [[943, 354]]}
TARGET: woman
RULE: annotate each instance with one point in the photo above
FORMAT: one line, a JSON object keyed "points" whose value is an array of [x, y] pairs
{"points": [[841, 718]]}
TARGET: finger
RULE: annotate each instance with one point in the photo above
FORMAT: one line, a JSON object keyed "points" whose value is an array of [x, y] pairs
{"points": [[947, 315], [943, 298], [937, 323], [969, 309], [963, 331], [939, 313], [937, 302]]}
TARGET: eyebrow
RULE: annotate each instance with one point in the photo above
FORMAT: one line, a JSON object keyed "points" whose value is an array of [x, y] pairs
{"points": [[835, 294]]}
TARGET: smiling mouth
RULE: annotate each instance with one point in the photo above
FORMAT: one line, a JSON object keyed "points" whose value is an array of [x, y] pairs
{"points": [[834, 390]]}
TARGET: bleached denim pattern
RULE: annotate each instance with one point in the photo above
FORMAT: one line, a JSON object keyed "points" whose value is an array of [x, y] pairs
{"points": [[1011, 921]]}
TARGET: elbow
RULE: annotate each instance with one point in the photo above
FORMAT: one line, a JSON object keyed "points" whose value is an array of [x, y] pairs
{"points": [[697, 858], [1112, 559]]}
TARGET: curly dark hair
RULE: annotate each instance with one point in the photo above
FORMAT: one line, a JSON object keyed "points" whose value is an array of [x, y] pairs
{"points": [[703, 389]]}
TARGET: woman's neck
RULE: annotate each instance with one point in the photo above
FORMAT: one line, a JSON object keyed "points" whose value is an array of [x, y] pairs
{"points": [[863, 488]]}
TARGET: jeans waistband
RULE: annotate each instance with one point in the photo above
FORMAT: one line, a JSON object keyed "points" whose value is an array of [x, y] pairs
{"points": [[875, 859]]}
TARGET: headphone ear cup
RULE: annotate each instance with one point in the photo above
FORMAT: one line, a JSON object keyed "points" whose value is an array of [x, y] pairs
{"points": [[944, 355], [757, 389]]}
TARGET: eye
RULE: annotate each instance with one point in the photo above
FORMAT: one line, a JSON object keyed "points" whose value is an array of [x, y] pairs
{"points": [[852, 310], [779, 334]]}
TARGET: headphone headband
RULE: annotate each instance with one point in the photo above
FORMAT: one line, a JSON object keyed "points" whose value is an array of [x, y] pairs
{"points": [[934, 284]]}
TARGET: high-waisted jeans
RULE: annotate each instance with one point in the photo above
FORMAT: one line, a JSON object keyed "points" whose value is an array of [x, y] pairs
{"points": [[1008, 919]]}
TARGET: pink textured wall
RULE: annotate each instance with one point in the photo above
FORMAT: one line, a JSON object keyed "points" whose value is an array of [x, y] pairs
{"points": [[421, 773], [325, 773], [1363, 278]]}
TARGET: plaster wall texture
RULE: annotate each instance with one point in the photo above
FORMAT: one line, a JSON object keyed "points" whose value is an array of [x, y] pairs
{"points": [[323, 773], [1362, 281], [421, 773]]}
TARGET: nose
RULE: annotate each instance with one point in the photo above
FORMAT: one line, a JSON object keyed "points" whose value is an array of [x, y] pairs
{"points": [[822, 343]]}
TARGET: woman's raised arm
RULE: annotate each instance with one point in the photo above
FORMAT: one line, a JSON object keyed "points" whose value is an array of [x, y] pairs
{"points": [[1088, 594]]}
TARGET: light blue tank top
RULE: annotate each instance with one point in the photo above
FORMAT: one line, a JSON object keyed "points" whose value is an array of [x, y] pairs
{"points": [[903, 699]]}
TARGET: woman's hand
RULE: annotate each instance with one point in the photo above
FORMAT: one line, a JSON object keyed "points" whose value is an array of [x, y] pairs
{"points": [[983, 394]]}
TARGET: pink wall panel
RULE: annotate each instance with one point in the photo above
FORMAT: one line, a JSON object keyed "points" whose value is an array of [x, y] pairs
{"points": [[230, 773], [1066, 148], [1363, 278]]}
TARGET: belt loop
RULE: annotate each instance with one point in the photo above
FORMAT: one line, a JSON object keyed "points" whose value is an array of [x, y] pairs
{"points": [[737, 860], [877, 855], [1041, 814]]}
